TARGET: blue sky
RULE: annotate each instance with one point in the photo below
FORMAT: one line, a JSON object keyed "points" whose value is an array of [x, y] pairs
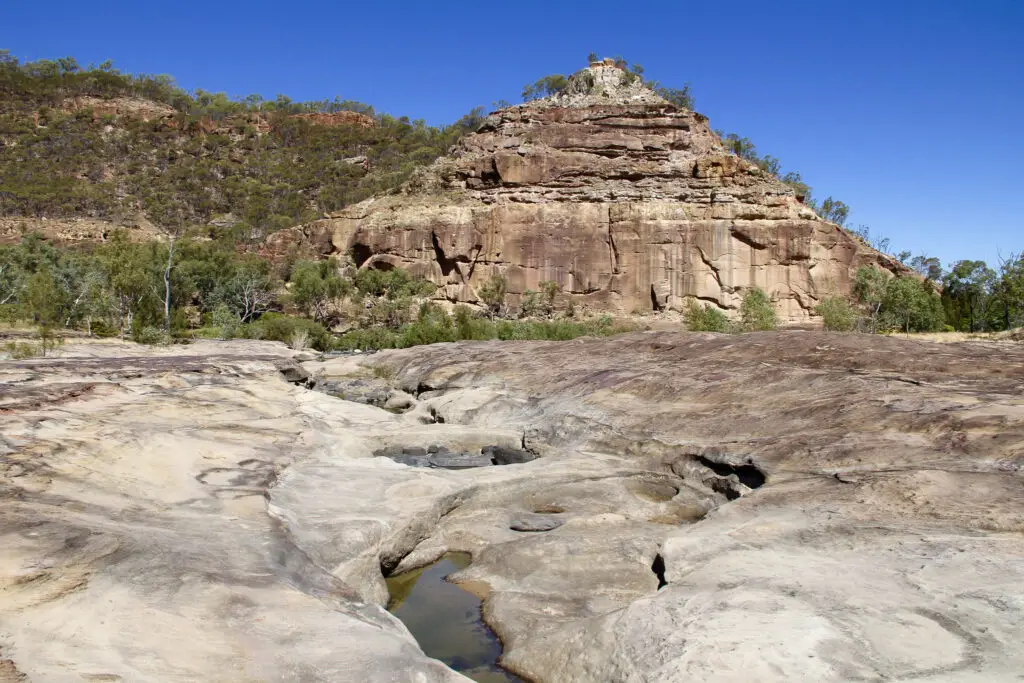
{"points": [[908, 110]]}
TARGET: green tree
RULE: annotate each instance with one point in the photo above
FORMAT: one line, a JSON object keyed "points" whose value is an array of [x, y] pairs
{"points": [[756, 311], [911, 305], [928, 266], [46, 301], [869, 288], [834, 211], [12, 275], [315, 284], [740, 146], [493, 292], [249, 292], [837, 314], [131, 272], [1007, 298], [545, 87], [968, 285], [705, 318]]}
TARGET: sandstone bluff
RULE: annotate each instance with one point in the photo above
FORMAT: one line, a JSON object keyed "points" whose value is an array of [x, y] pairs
{"points": [[788, 506], [628, 202]]}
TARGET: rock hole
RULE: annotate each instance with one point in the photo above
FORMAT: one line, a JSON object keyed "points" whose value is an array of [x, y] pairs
{"points": [[446, 620], [749, 474], [360, 254], [658, 567], [442, 458]]}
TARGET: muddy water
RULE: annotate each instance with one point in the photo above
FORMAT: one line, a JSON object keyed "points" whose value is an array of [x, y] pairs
{"points": [[446, 620]]}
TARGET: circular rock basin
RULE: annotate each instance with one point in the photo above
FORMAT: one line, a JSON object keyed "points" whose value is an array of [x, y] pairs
{"points": [[446, 620]]}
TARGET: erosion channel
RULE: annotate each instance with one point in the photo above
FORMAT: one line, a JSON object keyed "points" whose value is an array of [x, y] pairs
{"points": [[659, 506]]}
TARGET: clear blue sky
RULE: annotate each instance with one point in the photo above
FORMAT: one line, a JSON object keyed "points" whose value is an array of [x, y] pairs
{"points": [[908, 110]]}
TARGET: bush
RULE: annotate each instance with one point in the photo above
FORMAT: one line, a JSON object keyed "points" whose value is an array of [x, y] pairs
{"points": [[492, 293], [226, 322], [394, 284], [369, 339], [837, 314], [434, 326], [103, 329], [21, 350], [146, 334], [911, 305], [286, 328], [12, 313], [705, 318], [756, 312]]}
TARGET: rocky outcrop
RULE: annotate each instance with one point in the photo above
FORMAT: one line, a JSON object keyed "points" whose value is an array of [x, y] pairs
{"points": [[131, 107], [625, 200], [339, 118], [789, 506], [77, 230]]}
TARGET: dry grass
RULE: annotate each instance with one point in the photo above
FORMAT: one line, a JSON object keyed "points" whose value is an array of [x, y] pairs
{"points": [[1009, 336]]}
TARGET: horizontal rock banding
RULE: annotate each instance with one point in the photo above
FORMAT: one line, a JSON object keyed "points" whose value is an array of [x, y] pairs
{"points": [[622, 198]]}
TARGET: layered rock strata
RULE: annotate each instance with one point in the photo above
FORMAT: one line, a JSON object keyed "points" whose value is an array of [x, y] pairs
{"points": [[628, 202]]}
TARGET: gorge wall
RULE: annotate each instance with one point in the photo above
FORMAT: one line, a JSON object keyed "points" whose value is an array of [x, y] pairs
{"points": [[628, 202]]}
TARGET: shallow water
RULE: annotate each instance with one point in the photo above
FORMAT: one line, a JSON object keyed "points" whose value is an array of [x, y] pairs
{"points": [[446, 620]]}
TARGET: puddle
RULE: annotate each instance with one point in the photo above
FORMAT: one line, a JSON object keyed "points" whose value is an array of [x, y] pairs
{"points": [[446, 620]]}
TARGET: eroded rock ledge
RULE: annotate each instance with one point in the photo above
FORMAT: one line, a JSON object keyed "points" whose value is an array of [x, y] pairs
{"points": [[775, 507], [628, 202]]}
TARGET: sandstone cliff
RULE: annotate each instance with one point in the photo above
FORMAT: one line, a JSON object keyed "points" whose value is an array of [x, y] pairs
{"points": [[628, 202]]}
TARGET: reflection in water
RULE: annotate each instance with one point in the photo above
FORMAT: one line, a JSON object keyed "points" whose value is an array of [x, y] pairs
{"points": [[446, 621]]}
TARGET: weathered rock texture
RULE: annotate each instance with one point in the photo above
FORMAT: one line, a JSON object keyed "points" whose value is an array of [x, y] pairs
{"points": [[620, 197], [194, 513]]}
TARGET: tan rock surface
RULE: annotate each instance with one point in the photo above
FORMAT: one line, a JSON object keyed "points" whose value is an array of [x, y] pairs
{"points": [[77, 230], [887, 543], [626, 201], [187, 514]]}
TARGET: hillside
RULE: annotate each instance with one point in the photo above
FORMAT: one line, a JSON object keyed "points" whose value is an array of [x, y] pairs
{"points": [[86, 149], [603, 192], [628, 202]]}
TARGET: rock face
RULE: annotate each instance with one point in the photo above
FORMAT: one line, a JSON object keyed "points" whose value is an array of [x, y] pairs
{"points": [[770, 507], [625, 200]]}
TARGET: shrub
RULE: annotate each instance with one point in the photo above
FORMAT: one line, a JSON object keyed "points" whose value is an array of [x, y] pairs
{"points": [[102, 328], [837, 314], [299, 340], [315, 284], [225, 321], [756, 312], [147, 334], [436, 326], [393, 284], [12, 313], [492, 293], [540, 303], [369, 339], [705, 318], [21, 350], [285, 328], [911, 305]]}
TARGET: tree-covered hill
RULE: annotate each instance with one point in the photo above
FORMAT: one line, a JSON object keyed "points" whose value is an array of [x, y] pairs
{"points": [[94, 142]]}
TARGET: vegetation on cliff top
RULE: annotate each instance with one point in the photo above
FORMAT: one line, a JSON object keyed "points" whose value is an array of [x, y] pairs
{"points": [[220, 173], [245, 165]]}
